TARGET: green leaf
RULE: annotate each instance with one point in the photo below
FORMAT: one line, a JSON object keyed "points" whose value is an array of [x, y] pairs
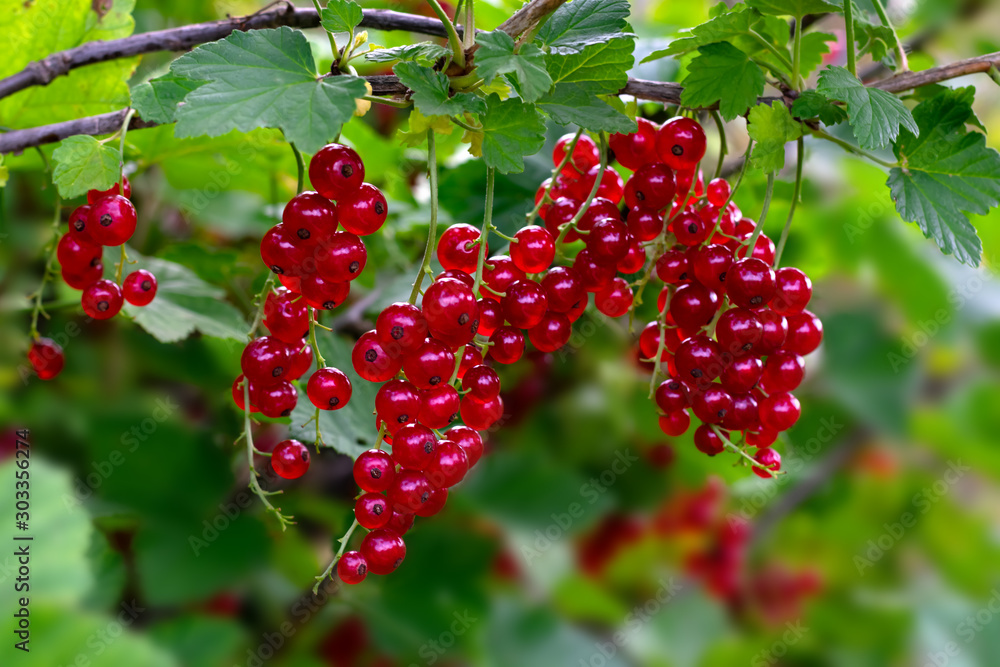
{"points": [[341, 16], [814, 47], [875, 115], [947, 172], [184, 303], [4, 174], [568, 104], [798, 8], [511, 130], [431, 89], [771, 127], [156, 100], [83, 163], [264, 78], [496, 56], [422, 53], [578, 24], [733, 27], [724, 74], [811, 104], [599, 68]]}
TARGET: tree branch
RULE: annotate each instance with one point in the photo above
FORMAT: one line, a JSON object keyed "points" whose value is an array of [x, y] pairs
{"points": [[908, 80], [526, 17], [43, 72]]}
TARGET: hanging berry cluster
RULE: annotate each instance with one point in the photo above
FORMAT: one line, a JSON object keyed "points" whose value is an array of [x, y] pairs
{"points": [[107, 219]]}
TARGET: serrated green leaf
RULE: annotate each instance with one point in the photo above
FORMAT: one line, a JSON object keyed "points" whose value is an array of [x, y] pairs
{"points": [[814, 47], [724, 74], [570, 104], [83, 163], [264, 78], [430, 92], [184, 303], [511, 130], [946, 173], [496, 56], [771, 127], [733, 27], [811, 104], [599, 68], [156, 100], [341, 16], [578, 24], [798, 8], [422, 53], [875, 115]]}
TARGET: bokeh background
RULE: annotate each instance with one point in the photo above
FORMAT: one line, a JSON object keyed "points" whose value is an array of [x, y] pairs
{"points": [[584, 537]]}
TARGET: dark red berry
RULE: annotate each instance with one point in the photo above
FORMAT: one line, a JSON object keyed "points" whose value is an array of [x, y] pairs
{"points": [[738, 332], [336, 171], [275, 400], [371, 361], [413, 446], [409, 491], [782, 372], [693, 306], [524, 304], [469, 440], [779, 412], [397, 404], [266, 360], [741, 375], [286, 316], [708, 441], [430, 365], [698, 360], [449, 465], [78, 221], [450, 306], [482, 382], [280, 252], [676, 423], [750, 283], [681, 143], [364, 211], [671, 395], [123, 188], [499, 273], [651, 186], [457, 248], [769, 460], [636, 149], [712, 405], [533, 250], [46, 358], [585, 155], [805, 333], [383, 551], [341, 257], [634, 260], [593, 274], [563, 288], [310, 217], [718, 192], [711, 264], [794, 289], [77, 256], [691, 229], [329, 389], [352, 568], [672, 267], [551, 333], [323, 294], [290, 459], [615, 298], [372, 511], [775, 328], [102, 300], [139, 287], [490, 317], [438, 406], [374, 470], [645, 224], [301, 362], [111, 220], [481, 415]]}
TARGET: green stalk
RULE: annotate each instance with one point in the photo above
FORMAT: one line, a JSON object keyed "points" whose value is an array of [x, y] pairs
{"points": [[425, 265], [555, 172], [782, 58], [795, 200], [300, 165], [37, 308], [723, 146], [458, 51], [797, 53], [901, 60], [852, 57], [487, 227], [853, 149], [469, 31], [752, 241], [590, 197], [333, 41]]}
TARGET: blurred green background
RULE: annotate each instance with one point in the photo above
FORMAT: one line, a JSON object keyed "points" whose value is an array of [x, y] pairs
{"points": [[880, 547]]}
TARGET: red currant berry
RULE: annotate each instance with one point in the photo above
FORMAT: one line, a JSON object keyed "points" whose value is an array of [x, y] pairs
{"points": [[615, 298], [718, 192], [524, 304], [78, 225], [336, 171], [750, 283], [744, 415], [708, 441], [469, 440], [439, 406], [693, 306], [286, 316], [762, 250], [401, 325], [794, 289], [634, 260], [775, 329], [457, 248], [374, 470], [410, 490], [397, 404], [551, 333], [645, 224], [672, 267], [400, 523], [301, 362], [383, 550], [585, 155], [266, 360], [449, 465], [507, 345], [636, 149], [711, 264], [769, 463], [371, 361], [690, 229], [779, 412], [533, 250], [559, 213], [761, 437], [593, 274], [413, 445], [364, 211], [76, 256], [675, 424], [372, 511], [481, 415], [450, 306], [699, 360], [342, 258], [738, 331], [123, 188], [651, 186], [329, 389], [712, 405], [139, 287], [599, 209], [81, 281], [499, 273], [102, 300], [352, 568], [741, 375], [563, 288], [309, 217], [290, 459], [323, 294], [608, 241], [782, 372], [671, 395], [482, 383], [470, 359], [681, 143], [611, 187], [275, 400], [430, 365], [280, 253], [238, 397], [805, 333], [490, 317], [46, 358], [111, 220], [435, 503]]}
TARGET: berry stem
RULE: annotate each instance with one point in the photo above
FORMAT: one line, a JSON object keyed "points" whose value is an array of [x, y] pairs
{"points": [[852, 58], [782, 58], [300, 166], [661, 345], [121, 154], [723, 145], [120, 266], [564, 230], [797, 54], [260, 299], [50, 250], [752, 241], [729, 445], [853, 149], [736, 186], [552, 181], [333, 42], [469, 29], [459, 355], [484, 233], [465, 126], [458, 51], [800, 146], [425, 265], [320, 361], [336, 558], [254, 484], [397, 104], [901, 60]]}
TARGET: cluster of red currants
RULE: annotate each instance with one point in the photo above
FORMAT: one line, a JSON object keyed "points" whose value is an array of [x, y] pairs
{"points": [[107, 219], [315, 251]]}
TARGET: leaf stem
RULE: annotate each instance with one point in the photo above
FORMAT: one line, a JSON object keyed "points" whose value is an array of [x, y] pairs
{"points": [[901, 59], [300, 165], [782, 58], [487, 226], [729, 445], [398, 104], [723, 145], [458, 51], [852, 57], [469, 30], [320, 361], [425, 265], [546, 199], [333, 41], [853, 149], [37, 308], [254, 484], [800, 146], [336, 559], [465, 126], [752, 241], [797, 53], [564, 229], [121, 154]]}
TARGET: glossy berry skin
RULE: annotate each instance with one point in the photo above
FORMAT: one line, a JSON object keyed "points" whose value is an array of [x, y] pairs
{"points": [[779, 412], [611, 187], [238, 394], [563, 288], [123, 188], [608, 241], [793, 291], [551, 333], [738, 332], [675, 424], [329, 389], [336, 171], [400, 523], [46, 358], [763, 250], [507, 345], [718, 192], [276, 399], [741, 375], [286, 316], [681, 143], [413, 446], [266, 360], [371, 361], [481, 415], [309, 217], [482, 382], [644, 224], [111, 220], [805, 333], [290, 459], [102, 300], [634, 260], [342, 257], [761, 437], [599, 209], [372, 511], [615, 299], [524, 304], [585, 155], [744, 415], [673, 268], [469, 440], [671, 396], [450, 306], [430, 365], [559, 213], [374, 470], [383, 551], [490, 317], [448, 467], [78, 220], [693, 306], [401, 325], [364, 211], [712, 405], [651, 186], [698, 360], [534, 250], [323, 294], [76, 256], [470, 358], [750, 283], [711, 264], [707, 441], [455, 249], [280, 253], [775, 331], [499, 273], [691, 229], [352, 568], [434, 504], [397, 404], [409, 491], [302, 360], [139, 287], [636, 149], [782, 372], [439, 406], [769, 460], [593, 274]]}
